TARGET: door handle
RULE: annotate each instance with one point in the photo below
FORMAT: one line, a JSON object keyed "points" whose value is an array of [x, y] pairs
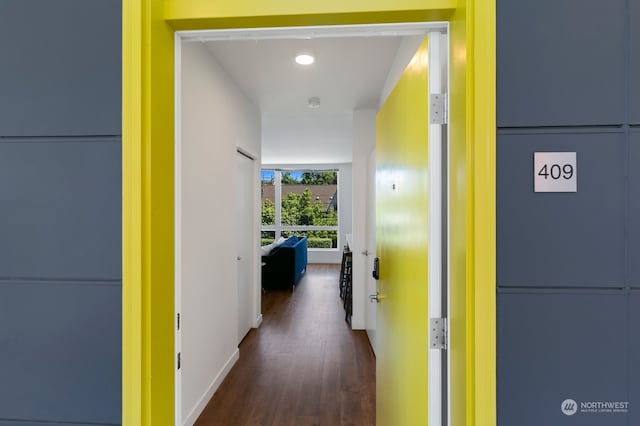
{"points": [[375, 297], [238, 258]]}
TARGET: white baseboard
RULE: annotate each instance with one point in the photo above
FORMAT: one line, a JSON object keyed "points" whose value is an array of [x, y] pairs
{"points": [[258, 321], [204, 400], [371, 334], [357, 324]]}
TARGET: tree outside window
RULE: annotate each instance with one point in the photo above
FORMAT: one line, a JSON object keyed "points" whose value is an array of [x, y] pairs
{"points": [[308, 206]]}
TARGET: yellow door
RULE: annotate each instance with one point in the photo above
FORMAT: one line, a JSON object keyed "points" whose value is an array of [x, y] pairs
{"points": [[402, 129]]}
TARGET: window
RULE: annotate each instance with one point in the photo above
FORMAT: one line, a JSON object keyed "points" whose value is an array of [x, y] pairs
{"points": [[300, 202]]}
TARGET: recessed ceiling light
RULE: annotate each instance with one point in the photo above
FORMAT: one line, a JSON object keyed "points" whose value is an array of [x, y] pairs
{"points": [[305, 59]]}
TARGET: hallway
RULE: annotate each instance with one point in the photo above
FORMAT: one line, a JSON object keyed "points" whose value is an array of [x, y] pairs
{"points": [[304, 366]]}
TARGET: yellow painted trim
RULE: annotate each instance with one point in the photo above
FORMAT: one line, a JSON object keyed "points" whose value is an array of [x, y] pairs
{"points": [[148, 265], [148, 229], [159, 258], [483, 125], [206, 14], [312, 20], [196, 9], [132, 180], [458, 244]]}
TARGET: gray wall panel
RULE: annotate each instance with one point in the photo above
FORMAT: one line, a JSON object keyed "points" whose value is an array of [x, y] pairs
{"points": [[634, 210], [26, 423], [61, 349], [560, 62], [60, 209], [561, 239], [555, 346], [634, 365], [61, 67], [634, 80], [60, 212]]}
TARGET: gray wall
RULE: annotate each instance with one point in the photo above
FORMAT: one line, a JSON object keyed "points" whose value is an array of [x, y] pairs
{"points": [[60, 212], [568, 264]]}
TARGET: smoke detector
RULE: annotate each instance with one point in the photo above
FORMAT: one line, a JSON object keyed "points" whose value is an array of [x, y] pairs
{"points": [[314, 102]]}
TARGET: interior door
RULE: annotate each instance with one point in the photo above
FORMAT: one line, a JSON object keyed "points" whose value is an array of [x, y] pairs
{"points": [[370, 312], [244, 211], [409, 392]]}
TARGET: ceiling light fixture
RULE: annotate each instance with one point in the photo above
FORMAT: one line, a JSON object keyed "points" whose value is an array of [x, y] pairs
{"points": [[305, 59]]}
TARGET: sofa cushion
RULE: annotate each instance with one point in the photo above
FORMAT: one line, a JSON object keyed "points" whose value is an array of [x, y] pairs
{"points": [[290, 242], [265, 250]]}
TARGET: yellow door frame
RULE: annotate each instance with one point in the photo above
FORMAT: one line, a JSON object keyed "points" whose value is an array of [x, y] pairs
{"points": [[148, 177]]}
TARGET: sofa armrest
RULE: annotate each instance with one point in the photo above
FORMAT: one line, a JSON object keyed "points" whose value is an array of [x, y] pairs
{"points": [[278, 271]]}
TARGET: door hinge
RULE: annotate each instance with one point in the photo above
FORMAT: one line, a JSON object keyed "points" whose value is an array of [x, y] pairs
{"points": [[178, 322], [179, 362], [437, 333], [438, 108]]}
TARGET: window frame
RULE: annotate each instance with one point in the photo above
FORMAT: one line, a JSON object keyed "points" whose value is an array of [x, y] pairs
{"points": [[278, 227]]}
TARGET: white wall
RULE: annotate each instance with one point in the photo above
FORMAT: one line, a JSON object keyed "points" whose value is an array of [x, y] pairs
{"points": [[311, 136], [216, 119], [407, 49], [364, 141]]}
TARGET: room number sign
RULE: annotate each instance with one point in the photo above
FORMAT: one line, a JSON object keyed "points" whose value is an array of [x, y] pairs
{"points": [[555, 172]]}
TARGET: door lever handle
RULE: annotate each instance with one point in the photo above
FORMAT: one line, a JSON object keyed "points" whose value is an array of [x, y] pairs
{"points": [[375, 297]]}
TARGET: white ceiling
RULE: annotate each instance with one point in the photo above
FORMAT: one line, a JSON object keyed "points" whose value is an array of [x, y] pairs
{"points": [[349, 73]]}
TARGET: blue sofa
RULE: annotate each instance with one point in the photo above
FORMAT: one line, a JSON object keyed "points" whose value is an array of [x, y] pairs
{"points": [[284, 265]]}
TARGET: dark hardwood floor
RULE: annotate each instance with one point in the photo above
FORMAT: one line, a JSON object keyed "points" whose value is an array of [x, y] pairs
{"points": [[304, 366]]}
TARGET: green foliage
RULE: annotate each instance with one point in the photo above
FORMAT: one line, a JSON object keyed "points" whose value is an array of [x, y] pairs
{"points": [[319, 178], [310, 178], [302, 210], [268, 212], [299, 209], [316, 239], [319, 242], [312, 242], [288, 179]]}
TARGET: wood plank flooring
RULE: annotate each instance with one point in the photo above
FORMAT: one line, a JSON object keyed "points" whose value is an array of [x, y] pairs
{"points": [[304, 366]]}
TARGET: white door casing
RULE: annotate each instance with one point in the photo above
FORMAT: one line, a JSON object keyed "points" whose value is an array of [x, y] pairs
{"points": [[244, 228], [438, 232], [370, 253]]}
